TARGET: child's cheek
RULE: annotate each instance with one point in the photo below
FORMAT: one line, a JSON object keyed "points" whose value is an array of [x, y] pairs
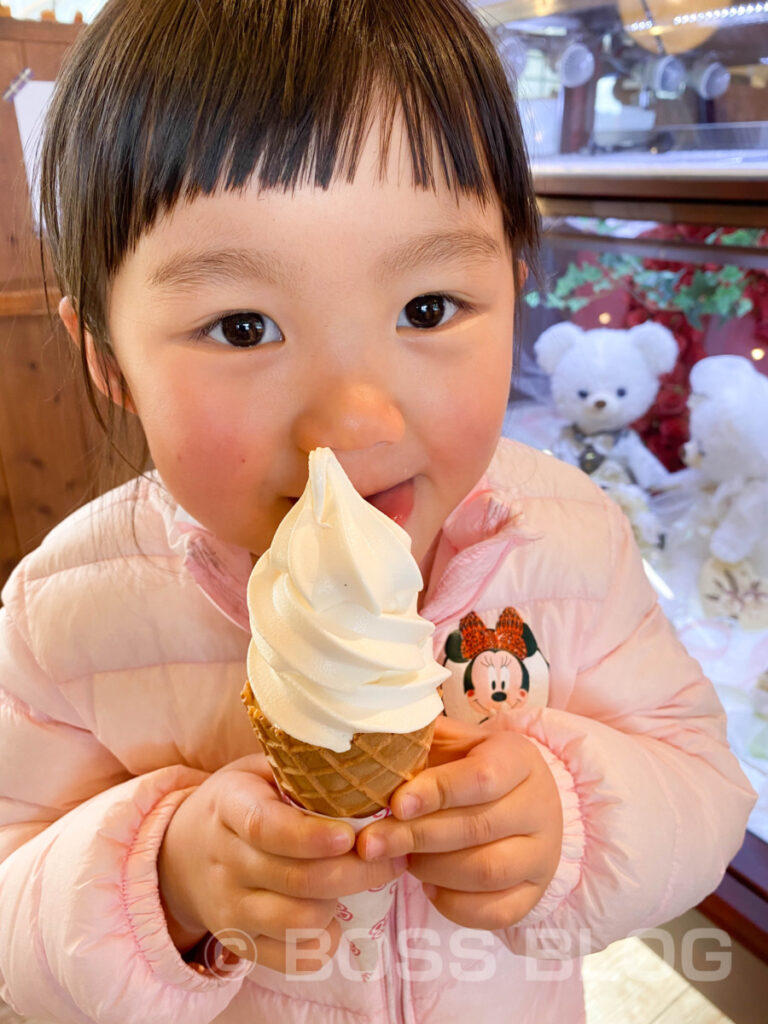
{"points": [[472, 421], [199, 449]]}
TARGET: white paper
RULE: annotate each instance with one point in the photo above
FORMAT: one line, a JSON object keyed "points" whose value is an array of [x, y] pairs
{"points": [[363, 915], [31, 103]]}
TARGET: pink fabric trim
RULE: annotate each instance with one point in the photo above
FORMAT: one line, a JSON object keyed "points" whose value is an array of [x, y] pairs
{"points": [[568, 873], [140, 896]]}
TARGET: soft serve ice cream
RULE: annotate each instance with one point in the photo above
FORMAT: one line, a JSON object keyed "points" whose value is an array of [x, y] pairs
{"points": [[338, 646]]}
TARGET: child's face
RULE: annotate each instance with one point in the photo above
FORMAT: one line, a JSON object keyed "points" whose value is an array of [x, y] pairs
{"points": [[325, 285]]}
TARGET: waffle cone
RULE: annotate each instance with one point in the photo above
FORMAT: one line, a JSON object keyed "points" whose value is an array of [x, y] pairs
{"points": [[353, 784]]}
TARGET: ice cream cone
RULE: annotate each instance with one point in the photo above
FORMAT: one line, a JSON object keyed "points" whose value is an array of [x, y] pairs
{"points": [[352, 784]]}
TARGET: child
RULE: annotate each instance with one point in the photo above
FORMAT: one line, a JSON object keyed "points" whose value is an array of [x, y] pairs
{"points": [[278, 225]]}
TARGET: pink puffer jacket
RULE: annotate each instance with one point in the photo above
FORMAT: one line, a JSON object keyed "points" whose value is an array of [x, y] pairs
{"points": [[122, 655]]}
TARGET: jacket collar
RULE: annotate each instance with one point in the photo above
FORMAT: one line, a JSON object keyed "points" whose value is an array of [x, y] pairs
{"points": [[474, 543], [475, 539]]}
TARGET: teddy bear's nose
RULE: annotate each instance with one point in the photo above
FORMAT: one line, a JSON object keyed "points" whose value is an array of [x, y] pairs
{"points": [[600, 403]]}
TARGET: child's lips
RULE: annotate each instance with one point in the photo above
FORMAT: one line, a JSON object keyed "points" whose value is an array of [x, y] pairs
{"points": [[396, 502]]}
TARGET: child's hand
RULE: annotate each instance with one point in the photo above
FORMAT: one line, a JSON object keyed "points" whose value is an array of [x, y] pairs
{"points": [[485, 828], [236, 857]]}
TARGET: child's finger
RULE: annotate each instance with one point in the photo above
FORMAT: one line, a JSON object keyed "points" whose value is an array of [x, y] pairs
{"points": [[323, 879], [491, 868], [277, 916], [255, 764], [459, 828], [253, 810], [453, 739], [492, 768], [299, 956], [488, 911]]}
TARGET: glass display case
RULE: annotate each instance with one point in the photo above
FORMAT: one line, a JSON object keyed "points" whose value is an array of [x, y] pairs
{"points": [[704, 288], [641, 97], [647, 126]]}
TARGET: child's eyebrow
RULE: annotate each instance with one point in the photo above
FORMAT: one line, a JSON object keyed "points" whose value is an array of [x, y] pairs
{"points": [[193, 268], [466, 246]]}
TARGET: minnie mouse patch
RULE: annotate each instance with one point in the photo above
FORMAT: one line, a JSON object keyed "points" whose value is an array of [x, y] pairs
{"points": [[493, 670]]}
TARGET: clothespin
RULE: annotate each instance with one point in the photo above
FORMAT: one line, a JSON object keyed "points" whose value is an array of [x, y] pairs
{"points": [[17, 84], [47, 15], [5, 12]]}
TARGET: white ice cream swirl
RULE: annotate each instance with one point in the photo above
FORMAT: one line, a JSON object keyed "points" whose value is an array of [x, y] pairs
{"points": [[338, 646]]}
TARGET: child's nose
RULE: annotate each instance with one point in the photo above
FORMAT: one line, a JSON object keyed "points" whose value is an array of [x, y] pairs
{"points": [[348, 416]]}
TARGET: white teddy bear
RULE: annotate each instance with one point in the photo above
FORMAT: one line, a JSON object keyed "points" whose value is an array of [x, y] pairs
{"points": [[602, 380], [728, 453]]}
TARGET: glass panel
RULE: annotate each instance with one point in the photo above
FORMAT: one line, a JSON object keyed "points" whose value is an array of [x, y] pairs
{"points": [[678, 440], [647, 86]]}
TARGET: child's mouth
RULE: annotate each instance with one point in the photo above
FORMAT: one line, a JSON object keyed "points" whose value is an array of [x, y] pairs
{"points": [[396, 502]]}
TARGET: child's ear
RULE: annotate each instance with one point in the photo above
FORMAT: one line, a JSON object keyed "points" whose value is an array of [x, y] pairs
{"points": [[103, 370]]}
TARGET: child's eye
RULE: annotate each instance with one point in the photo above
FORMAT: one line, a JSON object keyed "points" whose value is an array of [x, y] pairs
{"points": [[429, 311], [242, 330]]}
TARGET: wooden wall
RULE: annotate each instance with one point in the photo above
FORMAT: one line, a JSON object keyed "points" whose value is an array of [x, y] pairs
{"points": [[49, 441]]}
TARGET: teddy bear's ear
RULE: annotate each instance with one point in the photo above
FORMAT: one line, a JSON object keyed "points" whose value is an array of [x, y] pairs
{"points": [[553, 343], [657, 345], [717, 374], [739, 392]]}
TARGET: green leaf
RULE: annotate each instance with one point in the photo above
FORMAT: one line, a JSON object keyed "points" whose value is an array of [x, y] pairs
{"points": [[744, 236], [724, 299], [701, 283], [591, 273], [572, 279], [731, 274]]}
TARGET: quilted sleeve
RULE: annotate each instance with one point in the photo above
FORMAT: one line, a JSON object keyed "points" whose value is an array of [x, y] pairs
{"points": [[655, 804], [82, 931]]}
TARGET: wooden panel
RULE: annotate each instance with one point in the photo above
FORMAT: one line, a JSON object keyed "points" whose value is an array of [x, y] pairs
{"points": [[10, 549], [28, 302], [40, 47], [743, 215], [14, 222], [605, 186], [750, 865], [740, 903], [47, 438], [42, 436], [740, 911], [38, 31]]}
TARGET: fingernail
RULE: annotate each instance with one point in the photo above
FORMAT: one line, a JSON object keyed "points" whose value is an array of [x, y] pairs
{"points": [[409, 806], [399, 864], [341, 841], [374, 847]]}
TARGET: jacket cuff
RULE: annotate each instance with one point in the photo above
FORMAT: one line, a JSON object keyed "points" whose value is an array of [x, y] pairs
{"points": [[568, 873], [140, 891]]}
